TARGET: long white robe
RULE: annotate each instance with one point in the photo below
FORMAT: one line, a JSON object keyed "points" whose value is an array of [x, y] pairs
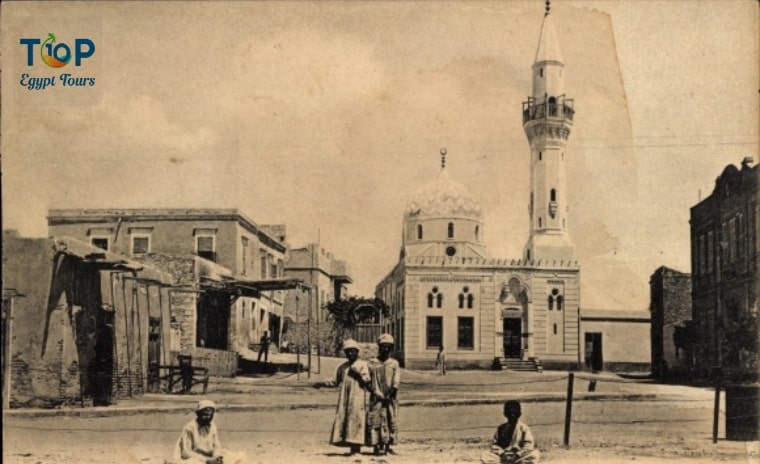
{"points": [[196, 444], [350, 425]]}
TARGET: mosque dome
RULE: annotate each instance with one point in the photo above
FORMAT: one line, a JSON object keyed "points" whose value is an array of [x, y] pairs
{"points": [[443, 198], [443, 219]]}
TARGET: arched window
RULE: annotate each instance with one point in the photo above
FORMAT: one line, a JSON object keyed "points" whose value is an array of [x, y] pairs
{"points": [[560, 300], [539, 222], [527, 255], [466, 296], [477, 233], [540, 156], [550, 301], [434, 298], [540, 72], [553, 195], [555, 328], [419, 231], [451, 230]]}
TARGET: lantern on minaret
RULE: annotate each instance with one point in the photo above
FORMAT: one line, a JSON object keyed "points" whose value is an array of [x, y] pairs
{"points": [[547, 120]]}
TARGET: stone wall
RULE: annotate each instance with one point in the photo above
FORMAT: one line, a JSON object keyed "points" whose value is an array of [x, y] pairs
{"points": [[183, 318]]}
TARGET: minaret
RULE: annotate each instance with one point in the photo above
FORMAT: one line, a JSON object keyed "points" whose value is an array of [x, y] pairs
{"points": [[547, 120]]}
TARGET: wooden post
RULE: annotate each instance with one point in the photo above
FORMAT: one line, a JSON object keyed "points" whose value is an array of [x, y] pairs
{"points": [[298, 348], [569, 408], [716, 412], [308, 336]]}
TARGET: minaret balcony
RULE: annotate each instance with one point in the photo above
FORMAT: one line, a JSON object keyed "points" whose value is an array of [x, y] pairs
{"points": [[548, 111]]}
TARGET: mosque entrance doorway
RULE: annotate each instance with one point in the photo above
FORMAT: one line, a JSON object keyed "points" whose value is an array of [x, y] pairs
{"points": [[512, 337]]}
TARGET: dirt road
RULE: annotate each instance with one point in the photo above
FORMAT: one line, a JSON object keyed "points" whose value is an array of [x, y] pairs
{"points": [[601, 432]]}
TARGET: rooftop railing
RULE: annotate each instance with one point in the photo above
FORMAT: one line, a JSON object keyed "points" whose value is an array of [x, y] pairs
{"points": [[558, 111]]}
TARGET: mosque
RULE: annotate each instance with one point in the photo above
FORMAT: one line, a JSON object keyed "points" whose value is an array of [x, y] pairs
{"points": [[447, 292]]}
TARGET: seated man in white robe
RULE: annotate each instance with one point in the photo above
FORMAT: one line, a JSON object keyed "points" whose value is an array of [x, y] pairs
{"points": [[199, 441]]}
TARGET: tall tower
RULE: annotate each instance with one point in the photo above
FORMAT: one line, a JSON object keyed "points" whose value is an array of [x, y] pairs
{"points": [[547, 120]]}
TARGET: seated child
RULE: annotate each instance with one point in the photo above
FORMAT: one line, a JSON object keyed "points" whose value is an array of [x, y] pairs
{"points": [[512, 443]]}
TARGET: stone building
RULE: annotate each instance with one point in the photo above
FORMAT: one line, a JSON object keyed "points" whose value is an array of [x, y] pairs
{"points": [[235, 265], [326, 278], [81, 325], [447, 291], [670, 307], [725, 279]]}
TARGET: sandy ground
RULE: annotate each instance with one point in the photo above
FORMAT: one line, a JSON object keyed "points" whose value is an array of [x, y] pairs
{"points": [[602, 432], [431, 452], [654, 424]]}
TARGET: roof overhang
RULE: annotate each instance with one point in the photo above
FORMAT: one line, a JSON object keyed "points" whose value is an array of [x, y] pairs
{"points": [[107, 261], [252, 288]]}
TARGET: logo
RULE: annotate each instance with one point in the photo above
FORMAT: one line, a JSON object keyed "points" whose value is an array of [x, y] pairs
{"points": [[56, 55]]}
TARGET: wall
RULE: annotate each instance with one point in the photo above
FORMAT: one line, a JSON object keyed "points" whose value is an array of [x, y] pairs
{"points": [[168, 237], [38, 378], [80, 334], [625, 337]]}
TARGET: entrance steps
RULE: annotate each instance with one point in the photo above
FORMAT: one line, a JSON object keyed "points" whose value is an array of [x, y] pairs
{"points": [[517, 364]]}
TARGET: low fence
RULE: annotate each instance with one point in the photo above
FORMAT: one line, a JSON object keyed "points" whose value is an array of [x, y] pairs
{"points": [[366, 333], [220, 363]]}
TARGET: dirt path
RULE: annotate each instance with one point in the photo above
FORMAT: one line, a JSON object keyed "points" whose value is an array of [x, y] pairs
{"points": [[601, 432]]}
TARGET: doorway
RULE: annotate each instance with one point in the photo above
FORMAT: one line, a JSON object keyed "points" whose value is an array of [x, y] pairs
{"points": [[154, 353], [213, 320], [594, 359], [102, 364], [512, 337]]}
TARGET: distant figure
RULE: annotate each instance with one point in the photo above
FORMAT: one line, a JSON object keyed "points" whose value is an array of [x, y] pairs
{"points": [[264, 347], [199, 441], [382, 417], [350, 425], [513, 442], [440, 360]]}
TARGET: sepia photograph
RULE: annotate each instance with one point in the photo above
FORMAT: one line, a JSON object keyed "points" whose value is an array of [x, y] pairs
{"points": [[371, 231]]}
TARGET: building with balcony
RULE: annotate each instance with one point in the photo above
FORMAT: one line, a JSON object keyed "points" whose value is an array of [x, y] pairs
{"points": [[236, 265]]}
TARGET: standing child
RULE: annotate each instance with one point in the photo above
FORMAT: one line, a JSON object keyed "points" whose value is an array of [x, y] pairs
{"points": [[382, 416], [513, 442]]}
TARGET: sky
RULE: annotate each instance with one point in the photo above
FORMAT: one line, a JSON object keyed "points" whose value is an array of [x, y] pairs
{"points": [[328, 116]]}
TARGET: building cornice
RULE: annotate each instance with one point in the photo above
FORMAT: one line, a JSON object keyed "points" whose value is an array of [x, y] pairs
{"points": [[110, 215]]}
